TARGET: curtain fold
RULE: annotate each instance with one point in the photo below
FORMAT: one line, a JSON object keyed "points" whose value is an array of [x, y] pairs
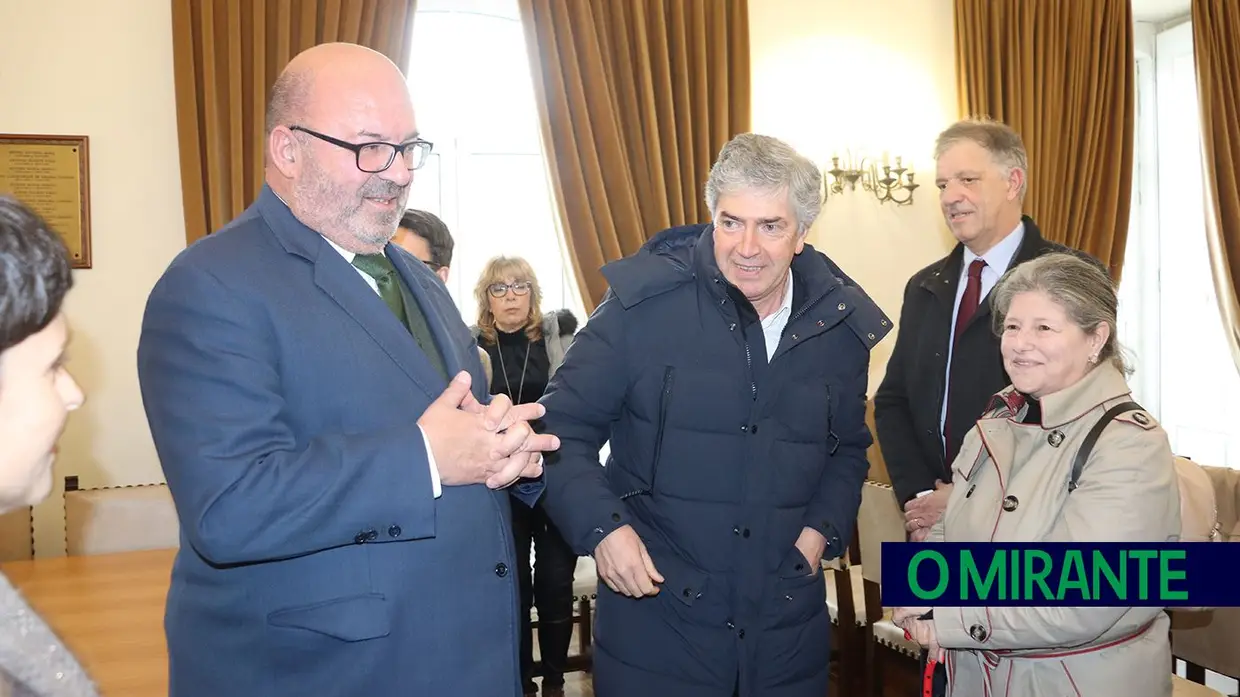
{"points": [[1216, 52], [1063, 75], [635, 100], [226, 55]]}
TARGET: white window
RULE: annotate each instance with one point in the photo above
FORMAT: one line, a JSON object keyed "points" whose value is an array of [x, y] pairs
{"points": [[487, 178], [1169, 316]]}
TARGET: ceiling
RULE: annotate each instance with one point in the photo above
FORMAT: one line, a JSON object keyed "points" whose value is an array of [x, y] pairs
{"points": [[1156, 11]]}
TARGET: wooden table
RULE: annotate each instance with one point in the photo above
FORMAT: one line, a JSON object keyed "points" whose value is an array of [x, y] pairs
{"points": [[109, 610]]}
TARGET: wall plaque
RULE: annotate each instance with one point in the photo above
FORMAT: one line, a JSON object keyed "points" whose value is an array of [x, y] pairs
{"points": [[51, 174]]}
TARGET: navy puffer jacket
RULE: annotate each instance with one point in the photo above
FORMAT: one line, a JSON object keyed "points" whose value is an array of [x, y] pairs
{"points": [[718, 460]]}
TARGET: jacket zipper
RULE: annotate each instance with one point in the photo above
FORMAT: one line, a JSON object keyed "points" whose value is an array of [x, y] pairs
{"points": [[665, 399]]}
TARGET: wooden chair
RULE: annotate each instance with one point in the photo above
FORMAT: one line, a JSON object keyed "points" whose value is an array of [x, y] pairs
{"points": [[17, 535], [1210, 640], [881, 520], [585, 593], [119, 519]]}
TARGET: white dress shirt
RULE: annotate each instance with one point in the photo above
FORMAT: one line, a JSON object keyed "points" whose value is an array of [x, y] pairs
{"points": [[436, 485], [997, 261], [773, 325]]}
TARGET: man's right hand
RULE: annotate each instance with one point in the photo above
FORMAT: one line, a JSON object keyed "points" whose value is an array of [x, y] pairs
{"points": [[491, 445], [624, 565]]}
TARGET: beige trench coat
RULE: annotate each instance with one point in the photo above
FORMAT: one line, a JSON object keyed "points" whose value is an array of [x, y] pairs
{"points": [[1127, 492]]}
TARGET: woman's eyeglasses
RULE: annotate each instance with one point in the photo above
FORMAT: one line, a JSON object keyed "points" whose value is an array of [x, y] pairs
{"points": [[499, 290]]}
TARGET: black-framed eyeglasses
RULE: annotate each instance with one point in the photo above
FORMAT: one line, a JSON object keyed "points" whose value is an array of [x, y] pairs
{"points": [[499, 290], [376, 156]]}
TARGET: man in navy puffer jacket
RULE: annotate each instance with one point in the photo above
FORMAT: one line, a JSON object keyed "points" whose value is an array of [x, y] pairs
{"points": [[727, 365]]}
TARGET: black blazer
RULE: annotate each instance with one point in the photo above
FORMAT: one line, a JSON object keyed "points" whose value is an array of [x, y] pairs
{"points": [[908, 403]]}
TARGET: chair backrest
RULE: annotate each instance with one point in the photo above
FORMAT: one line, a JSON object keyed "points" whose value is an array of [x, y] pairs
{"points": [[17, 535], [120, 519], [1226, 482], [1199, 520], [879, 520]]}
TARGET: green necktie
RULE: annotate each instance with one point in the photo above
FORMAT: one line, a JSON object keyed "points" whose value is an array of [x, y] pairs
{"points": [[380, 268]]}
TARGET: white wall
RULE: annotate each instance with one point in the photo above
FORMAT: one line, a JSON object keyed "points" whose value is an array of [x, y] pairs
{"points": [[104, 70], [833, 74]]}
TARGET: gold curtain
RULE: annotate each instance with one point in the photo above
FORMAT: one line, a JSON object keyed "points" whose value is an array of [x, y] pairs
{"points": [[636, 98], [1062, 73], [226, 55], [1216, 51]]}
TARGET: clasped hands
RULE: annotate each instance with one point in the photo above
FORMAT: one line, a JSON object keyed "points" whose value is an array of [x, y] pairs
{"points": [[475, 444], [923, 512], [919, 630]]}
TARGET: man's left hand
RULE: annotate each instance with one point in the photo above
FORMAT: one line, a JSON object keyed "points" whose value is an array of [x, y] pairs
{"points": [[925, 511], [812, 544]]}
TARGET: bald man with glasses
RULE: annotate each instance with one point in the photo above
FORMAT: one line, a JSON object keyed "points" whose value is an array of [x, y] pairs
{"points": [[343, 480]]}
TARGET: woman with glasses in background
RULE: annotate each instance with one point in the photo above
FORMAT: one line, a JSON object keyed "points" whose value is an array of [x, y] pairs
{"points": [[526, 348]]}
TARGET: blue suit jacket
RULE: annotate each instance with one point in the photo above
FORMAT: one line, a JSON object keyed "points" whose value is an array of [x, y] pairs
{"points": [[283, 395]]}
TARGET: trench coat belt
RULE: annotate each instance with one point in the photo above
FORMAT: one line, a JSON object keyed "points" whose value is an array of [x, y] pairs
{"points": [[994, 657]]}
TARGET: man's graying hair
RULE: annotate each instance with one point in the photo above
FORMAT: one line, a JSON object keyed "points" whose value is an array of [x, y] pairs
{"points": [[287, 102], [1082, 289], [756, 162]]}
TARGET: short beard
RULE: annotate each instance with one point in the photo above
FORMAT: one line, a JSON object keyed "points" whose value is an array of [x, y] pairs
{"points": [[337, 214]]}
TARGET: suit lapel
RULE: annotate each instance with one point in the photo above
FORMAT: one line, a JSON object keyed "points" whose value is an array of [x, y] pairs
{"points": [[334, 276], [435, 317]]}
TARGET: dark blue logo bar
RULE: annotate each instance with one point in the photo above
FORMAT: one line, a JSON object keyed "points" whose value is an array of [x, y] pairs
{"points": [[1104, 574]]}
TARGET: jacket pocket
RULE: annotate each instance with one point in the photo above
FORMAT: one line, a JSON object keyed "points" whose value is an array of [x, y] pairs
{"points": [[665, 401], [353, 618]]}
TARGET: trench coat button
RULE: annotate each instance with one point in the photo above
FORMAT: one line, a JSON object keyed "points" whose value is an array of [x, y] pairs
{"points": [[394, 531], [821, 323], [745, 533], [730, 625], [1055, 438], [840, 306], [740, 634], [372, 535], [723, 301], [615, 517], [800, 566], [501, 569], [794, 337], [753, 428], [744, 428], [978, 632], [883, 322], [732, 327], [688, 592], [1010, 503], [736, 530], [1141, 419], [360, 538], [871, 336]]}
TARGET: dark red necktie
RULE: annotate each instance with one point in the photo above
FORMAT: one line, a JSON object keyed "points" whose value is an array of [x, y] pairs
{"points": [[968, 307]]}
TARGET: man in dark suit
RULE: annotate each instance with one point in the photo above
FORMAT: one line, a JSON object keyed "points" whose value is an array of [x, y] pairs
{"points": [[344, 506], [946, 365]]}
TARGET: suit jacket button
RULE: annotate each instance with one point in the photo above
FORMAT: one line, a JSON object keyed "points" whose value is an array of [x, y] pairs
{"points": [[394, 531], [360, 538], [1010, 503], [501, 569], [978, 632], [372, 535], [615, 517]]}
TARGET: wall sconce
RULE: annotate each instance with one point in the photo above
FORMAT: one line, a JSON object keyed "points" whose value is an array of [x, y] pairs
{"points": [[887, 183]]}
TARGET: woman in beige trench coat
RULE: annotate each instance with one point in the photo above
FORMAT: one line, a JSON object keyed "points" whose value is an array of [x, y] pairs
{"points": [[1056, 315]]}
